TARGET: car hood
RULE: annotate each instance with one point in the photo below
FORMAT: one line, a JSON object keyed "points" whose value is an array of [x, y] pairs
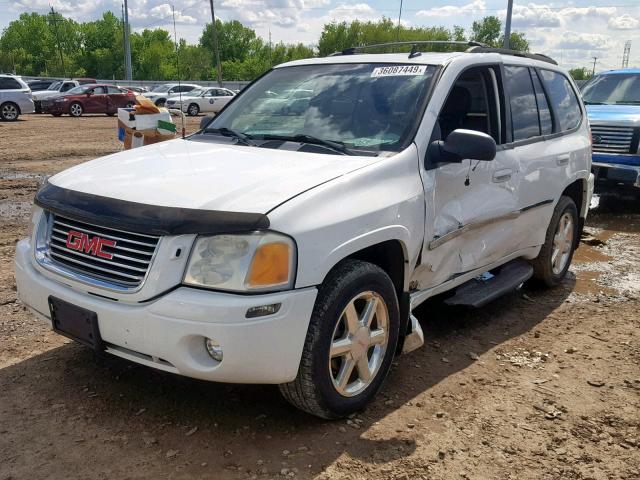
{"points": [[622, 114], [42, 94], [207, 176]]}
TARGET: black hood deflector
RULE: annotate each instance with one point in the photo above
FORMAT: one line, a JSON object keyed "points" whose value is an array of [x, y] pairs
{"points": [[142, 218]]}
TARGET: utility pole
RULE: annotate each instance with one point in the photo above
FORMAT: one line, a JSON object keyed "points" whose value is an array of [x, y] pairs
{"points": [[270, 48], [127, 46], [399, 17], [595, 59], [54, 19], [214, 33], [507, 25], [625, 55]]}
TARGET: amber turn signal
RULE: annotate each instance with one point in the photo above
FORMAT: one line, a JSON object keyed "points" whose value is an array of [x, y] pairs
{"points": [[271, 265]]}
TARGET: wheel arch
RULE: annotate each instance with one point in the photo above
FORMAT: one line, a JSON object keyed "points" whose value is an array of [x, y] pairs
{"points": [[578, 191]]}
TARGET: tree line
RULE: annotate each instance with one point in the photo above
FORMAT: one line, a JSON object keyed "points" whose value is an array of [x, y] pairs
{"points": [[56, 46]]}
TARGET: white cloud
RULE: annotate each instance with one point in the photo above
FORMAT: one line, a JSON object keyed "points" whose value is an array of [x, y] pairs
{"points": [[348, 13], [477, 7], [164, 12], [623, 22], [532, 16], [583, 41]]}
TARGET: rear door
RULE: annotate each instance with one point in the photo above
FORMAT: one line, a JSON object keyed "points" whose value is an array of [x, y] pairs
{"points": [[116, 98], [544, 114]]}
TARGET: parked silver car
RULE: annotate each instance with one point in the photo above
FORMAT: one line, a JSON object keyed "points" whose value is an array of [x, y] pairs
{"points": [[15, 98]]}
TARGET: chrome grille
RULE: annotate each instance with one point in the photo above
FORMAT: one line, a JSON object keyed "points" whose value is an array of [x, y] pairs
{"points": [[126, 256], [611, 139]]}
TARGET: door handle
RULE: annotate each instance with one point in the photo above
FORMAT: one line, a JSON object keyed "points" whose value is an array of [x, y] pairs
{"points": [[502, 175], [563, 160]]}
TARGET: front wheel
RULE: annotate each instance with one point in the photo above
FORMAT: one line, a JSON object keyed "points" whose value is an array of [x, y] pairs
{"points": [[75, 109], [193, 110], [552, 264], [350, 342]]}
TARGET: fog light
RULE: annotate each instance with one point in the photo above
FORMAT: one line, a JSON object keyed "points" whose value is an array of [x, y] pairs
{"points": [[263, 310], [214, 349]]}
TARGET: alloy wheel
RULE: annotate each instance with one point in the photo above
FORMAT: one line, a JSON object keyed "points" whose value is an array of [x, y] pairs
{"points": [[562, 243], [75, 109], [359, 343], [9, 112]]}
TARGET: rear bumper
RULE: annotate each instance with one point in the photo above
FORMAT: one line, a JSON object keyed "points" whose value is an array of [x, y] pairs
{"points": [[611, 173], [26, 106], [168, 333]]}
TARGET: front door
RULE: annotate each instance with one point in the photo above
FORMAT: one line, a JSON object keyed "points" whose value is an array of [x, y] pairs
{"points": [[470, 204]]}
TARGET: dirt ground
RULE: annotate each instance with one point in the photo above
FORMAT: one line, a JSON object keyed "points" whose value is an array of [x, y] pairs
{"points": [[541, 384]]}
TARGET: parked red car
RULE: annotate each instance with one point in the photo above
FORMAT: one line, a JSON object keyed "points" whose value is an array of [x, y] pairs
{"points": [[89, 99]]}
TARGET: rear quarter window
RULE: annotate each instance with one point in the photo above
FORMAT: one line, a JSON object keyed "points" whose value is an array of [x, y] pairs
{"points": [[7, 83], [562, 97]]}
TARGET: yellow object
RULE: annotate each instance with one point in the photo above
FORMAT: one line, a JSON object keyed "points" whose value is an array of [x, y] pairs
{"points": [[270, 265], [144, 105]]}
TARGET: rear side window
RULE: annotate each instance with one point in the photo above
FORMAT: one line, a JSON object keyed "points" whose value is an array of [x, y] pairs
{"points": [[546, 121], [563, 99], [67, 86], [524, 109], [113, 90], [8, 83]]}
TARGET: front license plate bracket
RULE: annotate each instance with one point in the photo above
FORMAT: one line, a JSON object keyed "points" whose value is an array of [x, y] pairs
{"points": [[76, 323]]}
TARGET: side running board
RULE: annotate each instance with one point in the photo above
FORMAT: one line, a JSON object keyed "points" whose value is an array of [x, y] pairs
{"points": [[487, 287]]}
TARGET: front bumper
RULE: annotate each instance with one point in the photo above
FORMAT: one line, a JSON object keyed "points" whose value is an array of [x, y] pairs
{"points": [[610, 172], [53, 107], [168, 333]]}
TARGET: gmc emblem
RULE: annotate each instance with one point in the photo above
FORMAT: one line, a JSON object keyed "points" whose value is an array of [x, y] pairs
{"points": [[81, 242]]}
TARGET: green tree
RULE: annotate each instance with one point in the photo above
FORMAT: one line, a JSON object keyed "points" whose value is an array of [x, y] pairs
{"points": [[580, 73], [488, 30]]}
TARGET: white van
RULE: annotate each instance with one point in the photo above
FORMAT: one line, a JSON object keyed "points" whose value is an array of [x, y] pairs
{"points": [[15, 98], [288, 242]]}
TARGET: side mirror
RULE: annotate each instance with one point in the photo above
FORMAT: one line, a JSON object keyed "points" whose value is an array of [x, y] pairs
{"points": [[459, 145], [204, 121]]}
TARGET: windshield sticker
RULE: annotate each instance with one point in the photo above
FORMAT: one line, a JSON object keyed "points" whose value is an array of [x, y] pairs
{"points": [[398, 70]]}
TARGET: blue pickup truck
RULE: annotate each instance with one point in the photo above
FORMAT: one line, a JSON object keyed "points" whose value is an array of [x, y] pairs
{"points": [[613, 105]]}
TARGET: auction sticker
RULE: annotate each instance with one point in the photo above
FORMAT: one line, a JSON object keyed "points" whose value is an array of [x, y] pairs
{"points": [[399, 70]]}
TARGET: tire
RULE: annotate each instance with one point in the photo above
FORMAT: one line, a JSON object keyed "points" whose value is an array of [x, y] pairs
{"points": [[75, 109], [193, 110], [130, 105], [160, 102], [9, 112], [550, 267], [317, 388]]}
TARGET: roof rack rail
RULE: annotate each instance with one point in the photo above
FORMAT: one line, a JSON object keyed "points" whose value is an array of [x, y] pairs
{"points": [[414, 46], [515, 53]]}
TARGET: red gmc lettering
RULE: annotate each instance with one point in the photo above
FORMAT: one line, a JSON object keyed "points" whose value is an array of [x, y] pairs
{"points": [[81, 242]]}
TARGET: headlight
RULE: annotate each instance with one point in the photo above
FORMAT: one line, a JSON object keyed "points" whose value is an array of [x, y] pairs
{"points": [[252, 262]]}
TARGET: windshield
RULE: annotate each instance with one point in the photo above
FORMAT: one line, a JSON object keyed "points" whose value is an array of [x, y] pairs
{"points": [[161, 88], [55, 86], [614, 89], [370, 107], [196, 92], [77, 90]]}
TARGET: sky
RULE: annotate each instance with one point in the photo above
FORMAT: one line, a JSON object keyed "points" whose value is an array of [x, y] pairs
{"points": [[571, 32]]}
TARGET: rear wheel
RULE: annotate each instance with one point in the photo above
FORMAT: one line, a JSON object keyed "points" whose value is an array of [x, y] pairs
{"points": [[193, 110], [350, 342], [9, 112], [75, 109], [552, 264]]}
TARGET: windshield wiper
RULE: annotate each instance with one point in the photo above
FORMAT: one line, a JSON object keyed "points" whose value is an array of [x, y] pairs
{"points": [[628, 102], [310, 139], [227, 132], [594, 103]]}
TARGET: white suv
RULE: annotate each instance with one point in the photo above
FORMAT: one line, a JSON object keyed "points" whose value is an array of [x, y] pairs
{"points": [[15, 98], [289, 241]]}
